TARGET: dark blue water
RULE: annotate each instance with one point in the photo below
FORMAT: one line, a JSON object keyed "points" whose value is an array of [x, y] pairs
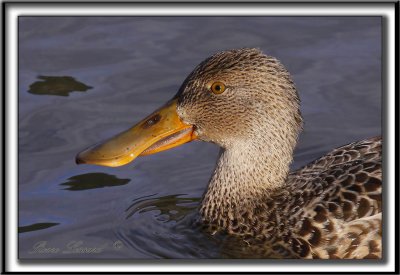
{"points": [[112, 71]]}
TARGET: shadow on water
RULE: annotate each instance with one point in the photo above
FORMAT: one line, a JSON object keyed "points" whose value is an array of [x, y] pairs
{"points": [[36, 226], [93, 180], [57, 85], [172, 206]]}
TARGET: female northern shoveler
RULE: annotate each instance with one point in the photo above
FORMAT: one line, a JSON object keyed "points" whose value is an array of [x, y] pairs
{"points": [[246, 102]]}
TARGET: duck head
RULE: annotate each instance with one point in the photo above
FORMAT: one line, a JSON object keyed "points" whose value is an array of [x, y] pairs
{"points": [[236, 99]]}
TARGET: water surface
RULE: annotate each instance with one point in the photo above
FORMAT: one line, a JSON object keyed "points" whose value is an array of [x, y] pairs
{"points": [[100, 75]]}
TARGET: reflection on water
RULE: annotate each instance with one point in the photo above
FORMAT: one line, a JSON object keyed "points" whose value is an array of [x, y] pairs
{"points": [[57, 85], [171, 207], [171, 231], [93, 180], [36, 226]]}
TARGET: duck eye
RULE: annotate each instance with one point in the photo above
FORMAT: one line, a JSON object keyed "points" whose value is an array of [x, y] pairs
{"points": [[218, 87]]}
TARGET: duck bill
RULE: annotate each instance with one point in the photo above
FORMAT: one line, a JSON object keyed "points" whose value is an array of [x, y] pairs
{"points": [[160, 131]]}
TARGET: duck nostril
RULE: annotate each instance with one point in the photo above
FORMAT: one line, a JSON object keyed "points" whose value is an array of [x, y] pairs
{"points": [[152, 121], [79, 160]]}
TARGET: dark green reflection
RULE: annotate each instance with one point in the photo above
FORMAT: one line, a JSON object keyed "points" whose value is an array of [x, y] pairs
{"points": [[172, 206], [36, 226], [93, 180], [57, 85]]}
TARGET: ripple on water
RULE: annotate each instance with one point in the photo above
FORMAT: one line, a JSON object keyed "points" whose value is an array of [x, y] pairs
{"points": [[171, 231]]}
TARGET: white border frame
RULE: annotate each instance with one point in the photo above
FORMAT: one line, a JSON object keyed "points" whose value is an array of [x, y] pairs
{"points": [[13, 10]]}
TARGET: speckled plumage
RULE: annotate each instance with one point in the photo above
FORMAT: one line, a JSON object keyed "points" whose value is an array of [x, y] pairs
{"points": [[330, 208]]}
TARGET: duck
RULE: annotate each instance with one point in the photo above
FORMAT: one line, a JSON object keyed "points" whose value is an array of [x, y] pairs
{"points": [[246, 102]]}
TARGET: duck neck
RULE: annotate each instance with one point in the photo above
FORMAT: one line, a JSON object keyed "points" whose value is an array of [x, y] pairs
{"points": [[244, 177]]}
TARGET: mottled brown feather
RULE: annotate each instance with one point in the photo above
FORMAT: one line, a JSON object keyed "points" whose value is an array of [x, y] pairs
{"points": [[328, 209]]}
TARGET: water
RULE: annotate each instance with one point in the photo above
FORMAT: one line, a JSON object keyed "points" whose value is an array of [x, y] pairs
{"points": [[112, 71]]}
